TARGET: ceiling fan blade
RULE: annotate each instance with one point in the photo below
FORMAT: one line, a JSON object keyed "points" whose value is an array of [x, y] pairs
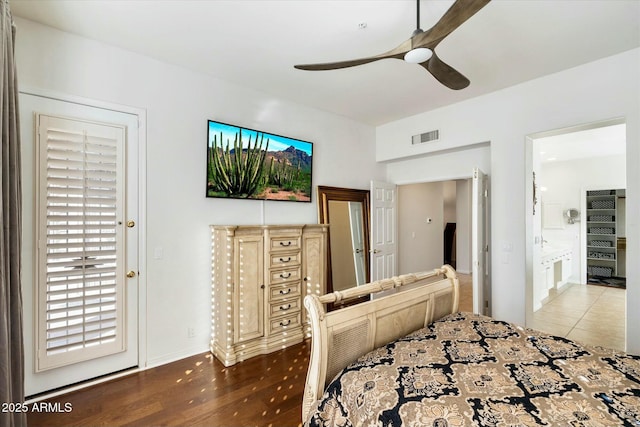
{"points": [[445, 74], [455, 16], [398, 53]]}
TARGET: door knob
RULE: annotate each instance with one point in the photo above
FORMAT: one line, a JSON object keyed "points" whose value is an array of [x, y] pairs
{"points": [[131, 274], [131, 223]]}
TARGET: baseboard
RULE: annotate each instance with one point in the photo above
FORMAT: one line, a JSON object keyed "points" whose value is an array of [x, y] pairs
{"points": [[174, 357], [563, 285]]}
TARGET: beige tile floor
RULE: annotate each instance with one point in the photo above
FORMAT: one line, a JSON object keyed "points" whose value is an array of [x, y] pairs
{"points": [[585, 313], [589, 314]]}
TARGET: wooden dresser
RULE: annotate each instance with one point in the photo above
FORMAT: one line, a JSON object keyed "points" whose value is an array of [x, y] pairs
{"points": [[260, 275]]}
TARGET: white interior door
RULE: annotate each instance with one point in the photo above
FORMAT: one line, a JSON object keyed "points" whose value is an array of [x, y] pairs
{"points": [[80, 241], [384, 241], [479, 246]]}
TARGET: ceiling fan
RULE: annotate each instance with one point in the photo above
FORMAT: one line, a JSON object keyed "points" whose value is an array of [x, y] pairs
{"points": [[419, 49]]}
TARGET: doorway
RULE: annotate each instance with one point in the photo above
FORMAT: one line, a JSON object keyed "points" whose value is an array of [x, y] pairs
{"points": [[436, 225], [563, 167], [83, 297], [424, 210], [449, 165]]}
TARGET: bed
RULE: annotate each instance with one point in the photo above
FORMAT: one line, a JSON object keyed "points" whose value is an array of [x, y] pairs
{"points": [[407, 357]]}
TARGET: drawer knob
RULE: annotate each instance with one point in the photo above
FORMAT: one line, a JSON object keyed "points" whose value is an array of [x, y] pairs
{"points": [[285, 260], [285, 307], [282, 276], [285, 292], [287, 323], [285, 244]]}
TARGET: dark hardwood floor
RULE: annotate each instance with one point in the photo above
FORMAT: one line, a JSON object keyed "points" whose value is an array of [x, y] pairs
{"points": [[200, 391], [197, 391]]}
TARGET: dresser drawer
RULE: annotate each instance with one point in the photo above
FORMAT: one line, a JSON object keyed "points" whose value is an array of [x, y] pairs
{"points": [[284, 323], [285, 307], [284, 259], [291, 274], [284, 243], [284, 292]]}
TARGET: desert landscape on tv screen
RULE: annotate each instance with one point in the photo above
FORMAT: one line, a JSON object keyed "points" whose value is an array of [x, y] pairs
{"points": [[249, 164]]}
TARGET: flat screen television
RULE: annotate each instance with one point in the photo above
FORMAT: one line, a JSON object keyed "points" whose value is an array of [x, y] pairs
{"points": [[245, 163]]}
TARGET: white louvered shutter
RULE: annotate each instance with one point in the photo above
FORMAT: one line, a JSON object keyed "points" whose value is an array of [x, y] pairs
{"points": [[80, 250]]}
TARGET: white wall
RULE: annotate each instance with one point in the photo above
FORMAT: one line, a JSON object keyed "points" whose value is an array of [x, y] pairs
{"points": [[539, 288], [599, 90], [437, 166], [420, 243], [178, 103]]}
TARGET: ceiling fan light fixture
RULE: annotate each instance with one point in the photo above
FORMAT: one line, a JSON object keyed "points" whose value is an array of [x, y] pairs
{"points": [[418, 55]]}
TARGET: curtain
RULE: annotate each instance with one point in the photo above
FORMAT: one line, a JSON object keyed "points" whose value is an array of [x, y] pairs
{"points": [[11, 346]]}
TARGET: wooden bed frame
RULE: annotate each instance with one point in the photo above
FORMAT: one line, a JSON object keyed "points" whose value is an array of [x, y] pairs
{"points": [[340, 337]]}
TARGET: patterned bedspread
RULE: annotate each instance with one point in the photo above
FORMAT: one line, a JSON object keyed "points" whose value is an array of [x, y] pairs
{"points": [[469, 370]]}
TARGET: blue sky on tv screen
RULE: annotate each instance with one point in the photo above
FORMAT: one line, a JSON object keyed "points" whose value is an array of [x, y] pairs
{"points": [[276, 142]]}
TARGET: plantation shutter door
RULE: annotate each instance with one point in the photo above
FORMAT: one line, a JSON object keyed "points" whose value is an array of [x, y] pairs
{"points": [[80, 253]]}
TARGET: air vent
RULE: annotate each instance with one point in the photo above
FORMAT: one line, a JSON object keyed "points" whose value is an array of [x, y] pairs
{"points": [[430, 136]]}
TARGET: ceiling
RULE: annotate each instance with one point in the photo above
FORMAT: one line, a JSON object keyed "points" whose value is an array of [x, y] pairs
{"points": [[587, 143], [256, 43]]}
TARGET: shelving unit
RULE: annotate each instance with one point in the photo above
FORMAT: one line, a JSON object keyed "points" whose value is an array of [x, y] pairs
{"points": [[602, 233]]}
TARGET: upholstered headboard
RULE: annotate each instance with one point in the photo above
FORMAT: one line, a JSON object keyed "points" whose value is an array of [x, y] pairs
{"points": [[398, 306]]}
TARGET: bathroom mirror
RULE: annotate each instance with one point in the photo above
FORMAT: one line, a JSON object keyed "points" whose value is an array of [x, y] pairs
{"points": [[572, 215], [346, 211]]}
